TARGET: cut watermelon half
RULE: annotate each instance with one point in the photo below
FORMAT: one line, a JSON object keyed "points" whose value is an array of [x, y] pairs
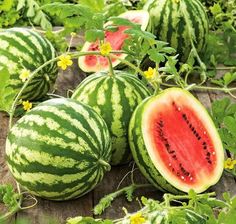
{"points": [[175, 143], [93, 63]]}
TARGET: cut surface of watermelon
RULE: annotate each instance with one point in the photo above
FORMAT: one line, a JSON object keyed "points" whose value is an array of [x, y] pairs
{"points": [[182, 141], [93, 63]]}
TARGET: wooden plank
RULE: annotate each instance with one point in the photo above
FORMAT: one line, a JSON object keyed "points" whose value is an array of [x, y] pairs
{"points": [[5, 176], [57, 212], [69, 79]]}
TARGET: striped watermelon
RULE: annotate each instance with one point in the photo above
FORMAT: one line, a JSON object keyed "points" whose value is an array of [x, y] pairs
{"points": [[175, 143], [179, 21], [59, 150], [24, 49], [114, 98]]}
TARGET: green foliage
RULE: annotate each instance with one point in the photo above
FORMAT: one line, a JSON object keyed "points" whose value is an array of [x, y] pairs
{"points": [[224, 115], [221, 14], [31, 9], [221, 49], [8, 13], [192, 209], [10, 199]]}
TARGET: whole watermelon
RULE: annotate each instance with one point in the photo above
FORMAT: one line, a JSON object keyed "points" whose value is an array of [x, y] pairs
{"points": [[114, 97], [179, 22], [20, 49], [59, 150]]}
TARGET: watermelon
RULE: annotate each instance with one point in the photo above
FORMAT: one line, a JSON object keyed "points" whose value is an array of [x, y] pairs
{"points": [[59, 150], [175, 143], [20, 49], [179, 21], [92, 63], [114, 98]]}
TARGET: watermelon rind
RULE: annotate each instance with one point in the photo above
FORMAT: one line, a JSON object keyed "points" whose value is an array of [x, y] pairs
{"points": [[98, 67], [59, 150], [142, 149], [178, 22], [114, 98], [22, 48]]}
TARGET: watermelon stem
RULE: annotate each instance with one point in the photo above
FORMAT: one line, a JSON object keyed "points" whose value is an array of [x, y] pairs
{"points": [[106, 201], [124, 61], [34, 73], [105, 164], [111, 71]]}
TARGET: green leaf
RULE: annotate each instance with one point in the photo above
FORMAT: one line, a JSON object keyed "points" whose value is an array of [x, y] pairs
{"points": [[218, 82], [156, 56], [229, 78], [21, 4], [230, 124], [6, 5], [216, 9], [218, 109], [93, 35], [95, 5]]}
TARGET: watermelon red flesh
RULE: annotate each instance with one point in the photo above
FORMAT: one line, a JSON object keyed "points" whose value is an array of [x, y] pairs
{"points": [[116, 39], [182, 141], [172, 124], [92, 63]]}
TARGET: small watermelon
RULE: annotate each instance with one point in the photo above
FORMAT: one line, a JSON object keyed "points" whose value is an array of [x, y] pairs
{"points": [[59, 150], [92, 63], [114, 98], [175, 143], [21, 48], [179, 21]]}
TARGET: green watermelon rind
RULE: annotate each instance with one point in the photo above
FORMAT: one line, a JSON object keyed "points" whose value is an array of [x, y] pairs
{"points": [[142, 156], [169, 24], [98, 67], [59, 150], [22, 48], [114, 98]]}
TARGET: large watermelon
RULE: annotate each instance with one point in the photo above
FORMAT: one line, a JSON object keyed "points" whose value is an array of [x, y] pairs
{"points": [[24, 49], [59, 150], [175, 143], [93, 63], [178, 22], [114, 98]]}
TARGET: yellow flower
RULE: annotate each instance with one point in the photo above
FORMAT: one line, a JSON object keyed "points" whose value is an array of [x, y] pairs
{"points": [[137, 218], [150, 73], [24, 75], [27, 105], [105, 49], [64, 61], [73, 34], [229, 164]]}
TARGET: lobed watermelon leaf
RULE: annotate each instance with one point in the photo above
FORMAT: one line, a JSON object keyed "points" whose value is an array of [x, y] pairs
{"points": [[223, 112]]}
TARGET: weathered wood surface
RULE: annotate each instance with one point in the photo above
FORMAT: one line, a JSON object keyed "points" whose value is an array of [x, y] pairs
{"points": [[59, 211]]}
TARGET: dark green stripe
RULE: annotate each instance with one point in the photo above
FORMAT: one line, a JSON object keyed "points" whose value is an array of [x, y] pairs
{"points": [[161, 20], [35, 167], [60, 185], [46, 51], [170, 29]]}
